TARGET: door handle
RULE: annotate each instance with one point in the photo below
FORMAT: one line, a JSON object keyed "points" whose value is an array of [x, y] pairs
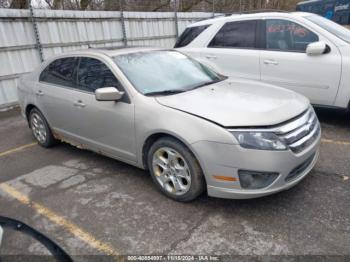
{"points": [[211, 56], [79, 103], [270, 62], [39, 93]]}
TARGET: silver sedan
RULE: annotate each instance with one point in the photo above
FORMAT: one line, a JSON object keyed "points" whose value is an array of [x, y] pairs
{"points": [[192, 128]]}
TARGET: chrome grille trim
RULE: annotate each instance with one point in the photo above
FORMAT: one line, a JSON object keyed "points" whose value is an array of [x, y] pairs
{"points": [[298, 146], [297, 123], [298, 133], [279, 129], [306, 131], [301, 131]]}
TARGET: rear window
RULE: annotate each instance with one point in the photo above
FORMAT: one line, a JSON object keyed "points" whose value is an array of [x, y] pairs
{"points": [[60, 72], [189, 35], [240, 34]]}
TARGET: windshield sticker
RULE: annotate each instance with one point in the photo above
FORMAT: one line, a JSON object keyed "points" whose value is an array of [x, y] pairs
{"points": [[295, 29]]}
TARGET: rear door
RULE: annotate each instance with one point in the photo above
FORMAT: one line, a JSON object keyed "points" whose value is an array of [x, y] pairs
{"points": [[284, 61], [234, 50], [55, 94]]}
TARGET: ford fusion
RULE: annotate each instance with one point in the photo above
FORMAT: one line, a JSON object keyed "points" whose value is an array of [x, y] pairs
{"points": [[194, 130]]}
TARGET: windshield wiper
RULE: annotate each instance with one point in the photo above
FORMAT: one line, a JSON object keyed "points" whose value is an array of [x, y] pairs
{"points": [[176, 91], [165, 92], [208, 83]]}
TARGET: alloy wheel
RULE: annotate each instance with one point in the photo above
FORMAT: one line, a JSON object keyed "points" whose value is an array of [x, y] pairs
{"points": [[38, 127], [171, 171]]}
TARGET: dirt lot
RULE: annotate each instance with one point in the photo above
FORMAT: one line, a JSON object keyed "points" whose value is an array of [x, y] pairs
{"points": [[93, 205]]}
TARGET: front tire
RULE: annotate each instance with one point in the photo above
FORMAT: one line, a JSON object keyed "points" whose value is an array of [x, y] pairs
{"points": [[40, 129], [175, 170]]}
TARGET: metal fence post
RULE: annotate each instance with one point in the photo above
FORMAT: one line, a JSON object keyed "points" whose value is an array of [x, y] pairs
{"points": [[36, 31], [176, 22], [213, 7], [122, 20]]}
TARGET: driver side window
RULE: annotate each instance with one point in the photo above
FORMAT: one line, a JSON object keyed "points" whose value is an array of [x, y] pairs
{"points": [[287, 36], [94, 74]]}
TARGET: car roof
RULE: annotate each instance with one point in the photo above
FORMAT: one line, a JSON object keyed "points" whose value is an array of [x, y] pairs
{"points": [[243, 16], [308, 2], [113, 51]]}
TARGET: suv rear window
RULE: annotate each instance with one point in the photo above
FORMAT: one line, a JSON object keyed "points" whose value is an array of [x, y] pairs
{"points": [[241, 34], [189, 35]]}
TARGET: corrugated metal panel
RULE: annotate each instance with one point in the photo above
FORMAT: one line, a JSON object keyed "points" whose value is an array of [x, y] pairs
{"points": [[62, 31], [15, 32]]}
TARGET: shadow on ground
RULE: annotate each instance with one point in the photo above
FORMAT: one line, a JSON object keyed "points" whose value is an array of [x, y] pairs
{"points": [[334, 117]]}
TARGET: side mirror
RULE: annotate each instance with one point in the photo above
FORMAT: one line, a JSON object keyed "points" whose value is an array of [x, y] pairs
{"points": [[108, 94], [17, 226], [318, 48]]}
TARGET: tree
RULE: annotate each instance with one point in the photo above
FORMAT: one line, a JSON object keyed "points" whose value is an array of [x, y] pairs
{"points": [[4, 4], [219, 6], [19, 4]]}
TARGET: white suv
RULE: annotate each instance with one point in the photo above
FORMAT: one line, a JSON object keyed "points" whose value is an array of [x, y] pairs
{"points": [[299, 51]]}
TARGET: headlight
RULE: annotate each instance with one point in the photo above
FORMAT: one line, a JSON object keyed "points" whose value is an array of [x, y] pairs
{"points": [[260, 140]]}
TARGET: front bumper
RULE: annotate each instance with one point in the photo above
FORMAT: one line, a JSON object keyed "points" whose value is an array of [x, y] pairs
{"points": [[218, 159]]}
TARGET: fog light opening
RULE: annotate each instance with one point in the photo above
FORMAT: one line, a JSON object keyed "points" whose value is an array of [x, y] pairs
{"points": [[256, 180]]}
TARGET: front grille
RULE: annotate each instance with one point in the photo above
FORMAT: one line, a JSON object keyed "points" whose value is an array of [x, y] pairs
{"points": [[298, 133], [300, 169], [301, 132]]}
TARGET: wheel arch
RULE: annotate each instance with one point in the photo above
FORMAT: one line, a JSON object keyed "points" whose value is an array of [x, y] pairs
{"points": [[149, 141], [29, 108]]}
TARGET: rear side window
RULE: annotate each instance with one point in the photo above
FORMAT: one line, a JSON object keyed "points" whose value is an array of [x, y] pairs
{"points": [[94, 74], [284, 35], [241, 34], [189, 35], [60, 72]]}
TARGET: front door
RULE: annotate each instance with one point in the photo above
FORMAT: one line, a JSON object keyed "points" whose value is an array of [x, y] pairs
{"points": [[284, 62], [107, 126]]}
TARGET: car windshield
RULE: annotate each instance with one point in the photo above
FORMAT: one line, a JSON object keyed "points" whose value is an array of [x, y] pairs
{"points": [[332, 27], [164, 72]]}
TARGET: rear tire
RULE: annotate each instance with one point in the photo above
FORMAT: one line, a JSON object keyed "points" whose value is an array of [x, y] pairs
{"points": [[40, 129], [175, 170]]}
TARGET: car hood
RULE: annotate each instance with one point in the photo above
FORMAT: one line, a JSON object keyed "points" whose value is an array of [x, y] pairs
{"points": [[239, 103]]}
